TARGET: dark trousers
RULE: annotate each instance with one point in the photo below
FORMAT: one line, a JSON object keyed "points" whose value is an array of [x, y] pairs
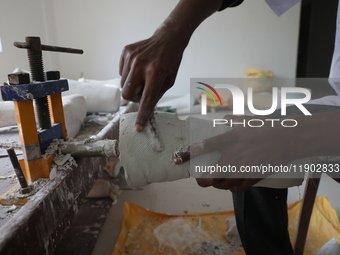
{"points": [[261, 213]]}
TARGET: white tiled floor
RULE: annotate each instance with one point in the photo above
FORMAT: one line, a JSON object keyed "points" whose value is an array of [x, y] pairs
{"points": [[186, 196]]}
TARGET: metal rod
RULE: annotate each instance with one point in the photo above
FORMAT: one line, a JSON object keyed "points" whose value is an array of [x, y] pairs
{"points": [[102, 148], [17, 168], [23, 45], [61, 49]]}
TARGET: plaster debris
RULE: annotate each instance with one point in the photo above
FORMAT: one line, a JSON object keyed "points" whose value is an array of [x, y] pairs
{"points": [[103, 188], [232, 234], [53, 148], [11, 208], [12, 176], [64, 162], [214, 247], [220, 247], [332, 247], [61, 162], [3, 177], [35, 187], [181, 236], [8, 211], [53, 172], [113, 166]]}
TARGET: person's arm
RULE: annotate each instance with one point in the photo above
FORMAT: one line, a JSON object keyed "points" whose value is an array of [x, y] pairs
{"points": [[149, 68], [316, 135]]}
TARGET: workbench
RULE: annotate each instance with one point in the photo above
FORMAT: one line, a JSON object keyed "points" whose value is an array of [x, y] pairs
{"points": [[40, 225]]}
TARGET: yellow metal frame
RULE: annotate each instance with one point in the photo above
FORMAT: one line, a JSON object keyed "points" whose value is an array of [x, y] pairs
{"points": [[35, 166]]}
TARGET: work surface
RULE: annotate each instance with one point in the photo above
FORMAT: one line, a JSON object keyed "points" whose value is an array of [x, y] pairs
{"points": [[39, 225]]}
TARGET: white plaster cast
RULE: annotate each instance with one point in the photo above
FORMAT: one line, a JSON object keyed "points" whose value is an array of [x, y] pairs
{"points": [[111, 82], [143, 165], [74, 112], [99, 97]]}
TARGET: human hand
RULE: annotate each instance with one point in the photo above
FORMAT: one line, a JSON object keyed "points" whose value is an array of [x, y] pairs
{"points": [[240, 147], [148, 69]]}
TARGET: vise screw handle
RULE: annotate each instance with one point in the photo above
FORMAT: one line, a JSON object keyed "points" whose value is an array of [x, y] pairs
{"points": [[34, 53]]}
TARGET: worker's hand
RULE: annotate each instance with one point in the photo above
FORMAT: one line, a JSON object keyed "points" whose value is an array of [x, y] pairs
{"points": [[148, 69], [241, 146]]}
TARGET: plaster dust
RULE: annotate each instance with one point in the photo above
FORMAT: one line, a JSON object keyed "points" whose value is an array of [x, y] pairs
{"points": [[7, 212], [35, 187], [180, 236]]}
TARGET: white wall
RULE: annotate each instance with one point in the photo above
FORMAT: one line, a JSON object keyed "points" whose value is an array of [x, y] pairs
{"points": [[19, 18], [223, 46], [102, 29]]}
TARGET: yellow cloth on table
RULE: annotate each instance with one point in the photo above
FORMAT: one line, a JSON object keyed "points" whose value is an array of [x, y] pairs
{"points": [[136, 236], [323, 226]]}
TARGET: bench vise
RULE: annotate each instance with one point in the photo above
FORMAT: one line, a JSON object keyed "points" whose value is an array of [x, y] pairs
{"points": [[37, 99]]}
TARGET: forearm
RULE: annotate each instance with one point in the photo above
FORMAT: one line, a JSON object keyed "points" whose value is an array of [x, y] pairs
{"points": [[186, 17]]}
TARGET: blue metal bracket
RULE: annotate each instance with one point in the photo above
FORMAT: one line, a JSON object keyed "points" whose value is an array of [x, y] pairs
{"points": [[33, 90], [46, 136]]}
